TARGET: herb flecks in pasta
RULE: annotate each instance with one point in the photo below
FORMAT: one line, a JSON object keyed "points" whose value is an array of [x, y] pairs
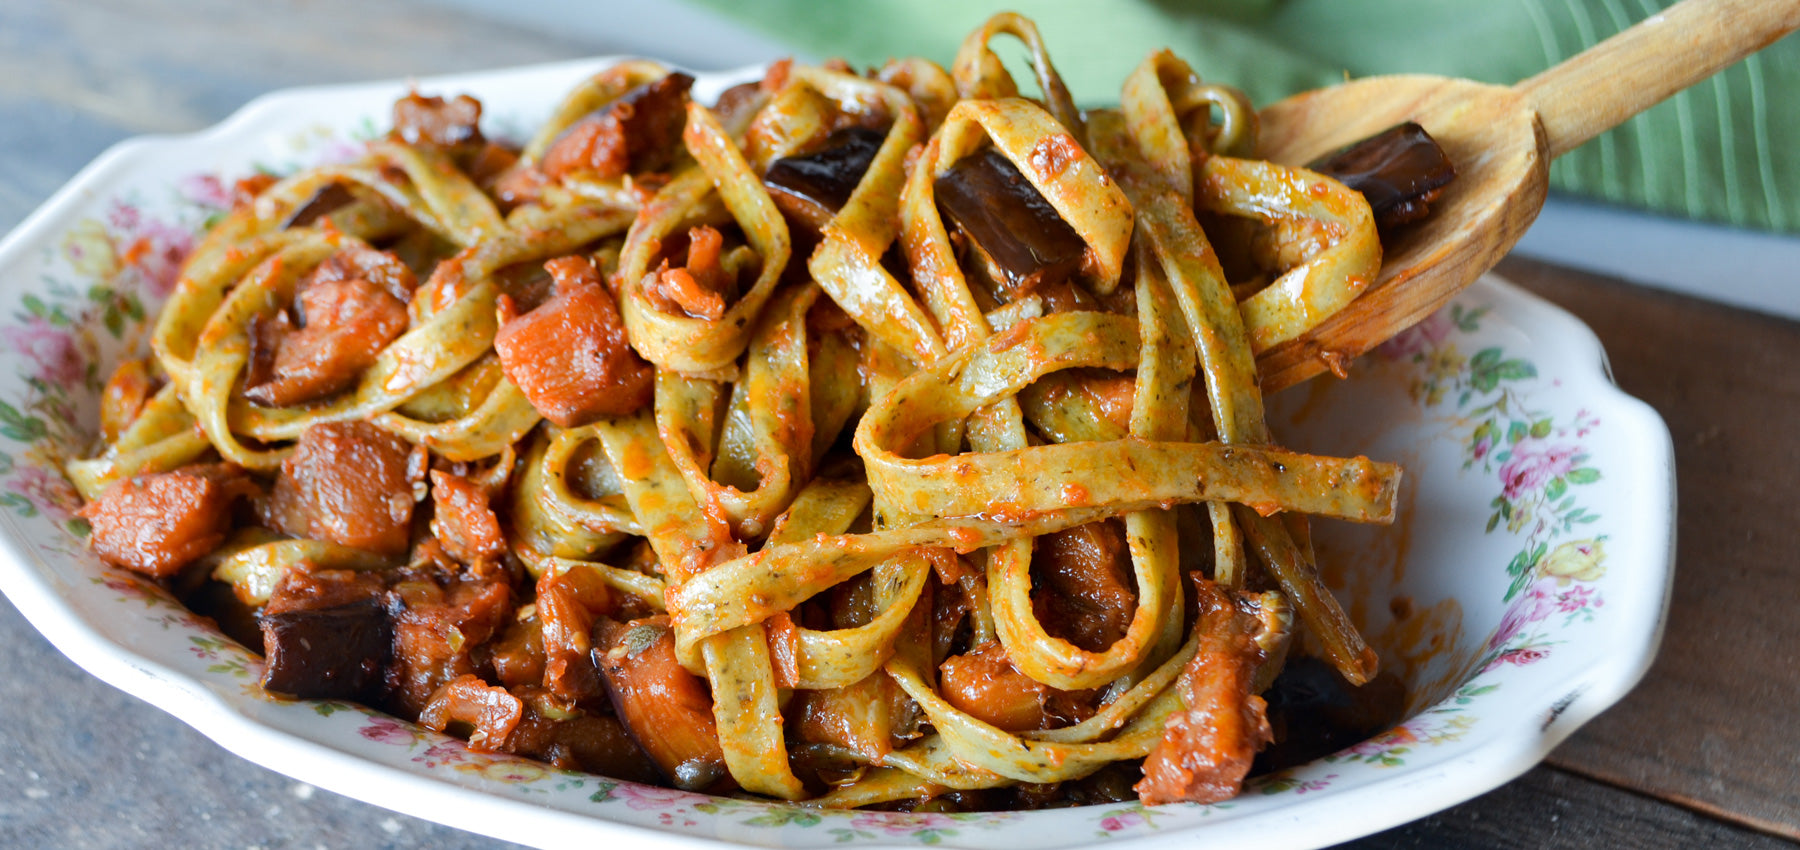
{"points": [[887, 439]]}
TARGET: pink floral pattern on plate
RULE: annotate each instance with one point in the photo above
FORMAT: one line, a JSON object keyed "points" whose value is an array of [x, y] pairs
{"points": [[108, 268]]}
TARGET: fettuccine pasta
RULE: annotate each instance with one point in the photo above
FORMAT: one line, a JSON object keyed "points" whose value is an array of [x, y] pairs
{"points": [[869, 439]]}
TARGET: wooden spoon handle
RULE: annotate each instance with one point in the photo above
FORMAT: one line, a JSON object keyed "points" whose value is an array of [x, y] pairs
{"points": [[1601, 87]]}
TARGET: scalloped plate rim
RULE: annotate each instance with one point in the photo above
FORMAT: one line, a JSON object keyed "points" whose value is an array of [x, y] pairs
{"points": [[1507, 749]]}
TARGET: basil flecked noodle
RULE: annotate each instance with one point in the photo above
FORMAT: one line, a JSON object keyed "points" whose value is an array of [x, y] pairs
{"points": [[837, 471]]}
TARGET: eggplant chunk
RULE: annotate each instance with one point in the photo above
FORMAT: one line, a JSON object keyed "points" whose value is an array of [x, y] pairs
{"points": [[857, 717], [326, 634], [1208, 747], [595, 744], [636, 133], [349, 322], [984, 684], [1023, 237], [329, 199], [1085, 572], [811, 189], [349, 483], [590, 742], [665, 708], [463, 521], [1400, 171], [527, 721], [571, 356], [437, 122], [567, 603], [439, 622], [157, 524], [517, 654]]}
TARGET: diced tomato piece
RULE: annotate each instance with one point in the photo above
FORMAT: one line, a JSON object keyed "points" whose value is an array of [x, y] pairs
{"points": [[348, 483], [1207, 747], [571, 356], [438, 624], [348, 323], [702, 288], [124, 397], [463, 521], [492, 712], [156, 524]]}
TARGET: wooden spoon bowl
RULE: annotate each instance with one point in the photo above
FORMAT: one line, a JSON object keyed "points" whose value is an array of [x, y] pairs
{"points": [[1501, 140]]}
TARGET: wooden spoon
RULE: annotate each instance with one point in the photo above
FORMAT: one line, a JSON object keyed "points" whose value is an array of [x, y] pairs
{"points": [[1501, 141]]}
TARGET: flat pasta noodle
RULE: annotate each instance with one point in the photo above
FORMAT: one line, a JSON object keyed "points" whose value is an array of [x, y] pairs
{"points": [[254, 563], [767, 439], [847, 263], [1176, 250], [163, 437], [842, 458], [552, 518], [684, 343]]}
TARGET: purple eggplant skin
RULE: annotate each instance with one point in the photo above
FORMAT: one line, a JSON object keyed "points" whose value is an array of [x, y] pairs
{"points": [[637, 133], [811, 189], [653, 115], [1400, 171], [327, 635], [666, 710], [329, 199], [987, 198]]}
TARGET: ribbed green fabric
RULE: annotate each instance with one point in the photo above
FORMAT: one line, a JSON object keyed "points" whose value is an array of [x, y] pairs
{"points": [[1726, 150]]}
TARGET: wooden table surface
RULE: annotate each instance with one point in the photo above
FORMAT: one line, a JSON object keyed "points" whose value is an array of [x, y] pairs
{"points": [[1704, 752]]}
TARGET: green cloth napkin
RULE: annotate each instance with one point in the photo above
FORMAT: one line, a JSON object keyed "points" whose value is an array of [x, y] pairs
{"points": [[1726, 150]]}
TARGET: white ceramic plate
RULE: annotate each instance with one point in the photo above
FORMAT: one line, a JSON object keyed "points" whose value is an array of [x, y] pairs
{"points": [[1522, 592]]}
